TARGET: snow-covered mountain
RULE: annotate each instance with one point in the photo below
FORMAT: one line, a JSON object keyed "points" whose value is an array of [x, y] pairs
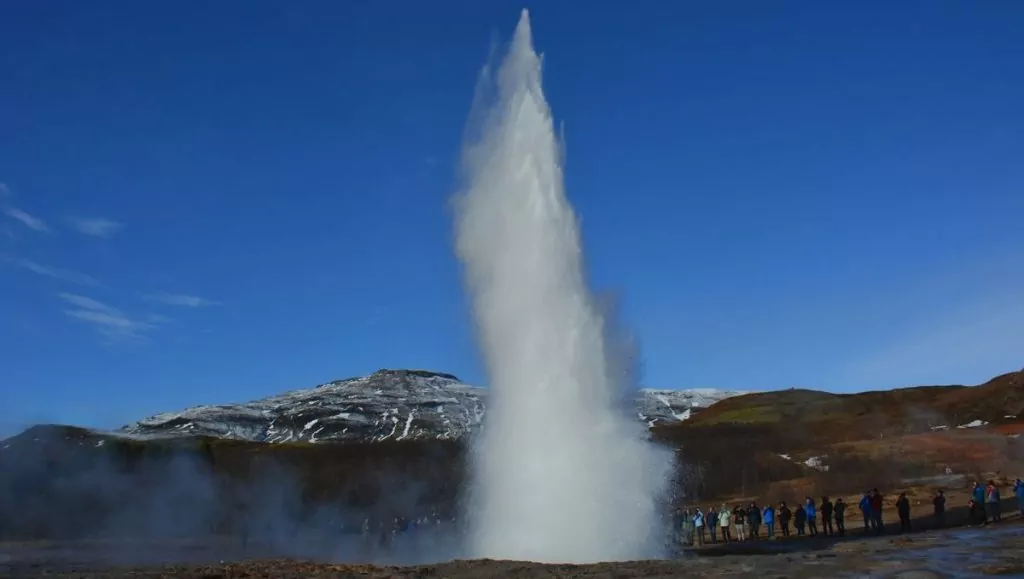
{"points": [[386, 405]]}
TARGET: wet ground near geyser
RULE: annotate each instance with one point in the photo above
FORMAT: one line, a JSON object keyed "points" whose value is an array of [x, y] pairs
{"points": [[997, 550]]}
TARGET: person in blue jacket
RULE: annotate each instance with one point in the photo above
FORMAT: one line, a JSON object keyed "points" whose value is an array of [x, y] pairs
{"points": [[1018, 491], [812, 513], [978, 493], [768, 518], [865, 509]]}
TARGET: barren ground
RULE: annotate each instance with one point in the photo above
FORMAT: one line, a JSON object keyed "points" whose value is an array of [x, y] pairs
{"points": [[996, 550]]}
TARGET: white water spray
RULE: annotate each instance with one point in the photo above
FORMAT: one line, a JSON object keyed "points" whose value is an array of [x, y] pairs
{"points": [[562, 474]]}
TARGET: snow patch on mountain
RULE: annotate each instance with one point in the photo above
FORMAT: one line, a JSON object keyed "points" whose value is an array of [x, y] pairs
{"points": [[386, 405], [668, 406]]}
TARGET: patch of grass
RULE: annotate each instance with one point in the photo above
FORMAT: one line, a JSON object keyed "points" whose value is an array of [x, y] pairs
{"points": [[748, 415]]}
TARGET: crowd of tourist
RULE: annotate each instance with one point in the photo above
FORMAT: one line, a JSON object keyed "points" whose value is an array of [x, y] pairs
{"points": [[697, 527]]}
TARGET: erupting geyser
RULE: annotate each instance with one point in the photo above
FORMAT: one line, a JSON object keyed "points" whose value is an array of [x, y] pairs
{"points": [[561, 473]]}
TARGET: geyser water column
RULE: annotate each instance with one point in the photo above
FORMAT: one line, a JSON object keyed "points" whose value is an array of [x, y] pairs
{"points": [[561, 473]]}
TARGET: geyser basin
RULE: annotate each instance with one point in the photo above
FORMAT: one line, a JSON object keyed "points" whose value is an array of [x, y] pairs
{"points": [[561, 474]]}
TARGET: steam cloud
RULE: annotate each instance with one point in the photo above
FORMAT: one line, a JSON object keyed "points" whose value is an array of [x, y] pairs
{"points": [[127, 502], [560, 474]]}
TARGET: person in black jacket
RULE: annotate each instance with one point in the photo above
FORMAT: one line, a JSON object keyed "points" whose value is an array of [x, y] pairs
{"points": [[826, 517], [754, 520], [840, 507], [784, 516], [739, 519], [939, 502], [903, 509], [799, 520]]}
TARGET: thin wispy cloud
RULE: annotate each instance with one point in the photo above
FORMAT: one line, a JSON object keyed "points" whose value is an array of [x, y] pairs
{"points": [[180, 300], [85, 302], [109, 321], [94, 226], [158, 319], [33, 223], [52, 272]]}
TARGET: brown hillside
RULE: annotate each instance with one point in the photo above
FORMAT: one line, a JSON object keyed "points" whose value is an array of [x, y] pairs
{"points": [[734, 445], [867, 414], [993, 401]]}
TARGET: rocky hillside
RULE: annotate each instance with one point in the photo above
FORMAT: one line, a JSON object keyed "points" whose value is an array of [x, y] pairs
{"points": [[386, 405]]}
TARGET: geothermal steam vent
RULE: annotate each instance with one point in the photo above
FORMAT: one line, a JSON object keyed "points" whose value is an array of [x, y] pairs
{"points": [[561, 474]]}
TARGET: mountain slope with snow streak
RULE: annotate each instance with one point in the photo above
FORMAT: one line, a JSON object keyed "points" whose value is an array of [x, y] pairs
{"points": [[386, 405]]}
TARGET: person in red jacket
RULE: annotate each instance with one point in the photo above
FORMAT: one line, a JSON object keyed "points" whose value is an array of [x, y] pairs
{"points": [[993, 502], [876, 511]]}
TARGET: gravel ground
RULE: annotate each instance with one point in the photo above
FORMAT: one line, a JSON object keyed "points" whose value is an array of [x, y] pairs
{"points": [[996, 550]]}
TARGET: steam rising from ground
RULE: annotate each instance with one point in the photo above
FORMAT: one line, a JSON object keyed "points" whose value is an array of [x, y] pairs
{"points": [[65, 502], [562, 474]]}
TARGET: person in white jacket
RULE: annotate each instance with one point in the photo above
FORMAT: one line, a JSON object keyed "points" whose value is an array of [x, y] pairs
{"points": [[725, 520]]}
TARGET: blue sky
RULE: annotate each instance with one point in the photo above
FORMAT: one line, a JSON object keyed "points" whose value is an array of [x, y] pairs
{"points": [[209, 202]]}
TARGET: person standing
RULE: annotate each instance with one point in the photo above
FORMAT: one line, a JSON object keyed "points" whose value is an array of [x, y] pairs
{"points": [[903, 509], [978, 494], [976, 512], [711, 521], [684, 524], [739, 517], [1018, 491], [812, 514], [939, 504], [865, 509], [698, 527], [754, 520], [877, 501], [840, 507], [826, 517], [993, 502], [768, 516], [784, 517], [690, 528], [725, 520], [800, 520]]}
